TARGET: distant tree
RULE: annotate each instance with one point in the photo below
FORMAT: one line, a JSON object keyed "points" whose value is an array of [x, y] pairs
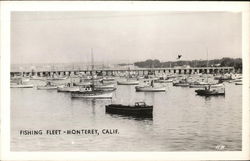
{"points": [[229, 62]]}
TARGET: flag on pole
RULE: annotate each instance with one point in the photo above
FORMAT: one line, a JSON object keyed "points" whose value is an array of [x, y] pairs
{"points": [[179, 56]]}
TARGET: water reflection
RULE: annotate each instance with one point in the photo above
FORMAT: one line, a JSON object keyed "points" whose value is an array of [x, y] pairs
{"points": [[136, 118]]}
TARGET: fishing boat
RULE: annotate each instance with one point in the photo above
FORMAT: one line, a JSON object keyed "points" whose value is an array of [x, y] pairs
{"points": [[150, 87], [108, 79], [47, 86], [164, 80], [69, 87], [128, 82], [138, 109], [211, 90], [181, 83], [19, 83], [90, 92], [14, 85], [198, 84]]}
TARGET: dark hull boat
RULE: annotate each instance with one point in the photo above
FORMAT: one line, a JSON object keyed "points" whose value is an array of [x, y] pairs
{"points": [[211, 90], [140, 109]]}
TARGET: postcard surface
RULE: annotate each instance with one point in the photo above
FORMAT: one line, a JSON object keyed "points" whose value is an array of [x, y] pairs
{"points": [[131, 80]]}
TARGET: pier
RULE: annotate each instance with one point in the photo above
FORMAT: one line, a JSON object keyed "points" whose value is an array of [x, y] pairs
{"points": [[116, 71]]}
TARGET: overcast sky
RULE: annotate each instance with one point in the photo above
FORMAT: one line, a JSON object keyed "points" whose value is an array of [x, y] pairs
{"points": [[60, 37]]}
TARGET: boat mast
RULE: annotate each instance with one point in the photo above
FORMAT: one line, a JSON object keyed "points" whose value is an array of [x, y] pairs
{"points": [[92, 68], [207, 66]]}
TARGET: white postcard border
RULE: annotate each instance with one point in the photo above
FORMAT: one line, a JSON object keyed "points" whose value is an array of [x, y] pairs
{"points": [[7, 7]]}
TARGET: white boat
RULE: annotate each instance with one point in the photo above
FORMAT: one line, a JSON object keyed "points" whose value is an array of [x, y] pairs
{"points": [[48, 86], [164, 80], [90, 92], [20, 83], [150, 88], [108, 79], [14, 85], [128, 82], [83, 84], [91, 95], [68, 88]]}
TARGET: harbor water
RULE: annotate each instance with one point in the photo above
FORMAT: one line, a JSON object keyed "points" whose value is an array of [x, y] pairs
{"points": [[182, 121]]}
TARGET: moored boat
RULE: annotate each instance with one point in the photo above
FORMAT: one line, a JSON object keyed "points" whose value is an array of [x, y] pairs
{"points": [[150, 87], [20, 83], [211, 90], [197, 84], [14, 85], [48, 86], [181, 83], [90, 91], [128, 82], [70, 87], [139, 109]]}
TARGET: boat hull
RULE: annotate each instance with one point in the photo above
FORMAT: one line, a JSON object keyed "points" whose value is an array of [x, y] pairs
{"points": [[68, 89], [127, 82], [91, 95], [130, 111], [22, 86], [150, 89], [46, 87], [164, 81], [203, 92], [181, 84]]}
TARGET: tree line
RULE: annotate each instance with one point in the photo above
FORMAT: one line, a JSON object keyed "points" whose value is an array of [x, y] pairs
{"points": [[224, 62]]}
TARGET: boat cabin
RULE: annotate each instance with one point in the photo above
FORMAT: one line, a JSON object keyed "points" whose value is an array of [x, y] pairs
{"points": [[140, 104]]}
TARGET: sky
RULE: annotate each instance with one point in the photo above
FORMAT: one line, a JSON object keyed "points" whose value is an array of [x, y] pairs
{"points": [[123, 37]]}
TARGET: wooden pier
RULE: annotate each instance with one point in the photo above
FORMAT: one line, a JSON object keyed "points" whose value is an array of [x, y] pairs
{"points": [[116, 71]]}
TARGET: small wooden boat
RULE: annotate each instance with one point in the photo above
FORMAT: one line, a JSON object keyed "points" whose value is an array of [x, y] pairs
{"points": [[139, 109], [211, 90]]}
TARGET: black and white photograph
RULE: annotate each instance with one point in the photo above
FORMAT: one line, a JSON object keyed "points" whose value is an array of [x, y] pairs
{"points": [[126, 81]]}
